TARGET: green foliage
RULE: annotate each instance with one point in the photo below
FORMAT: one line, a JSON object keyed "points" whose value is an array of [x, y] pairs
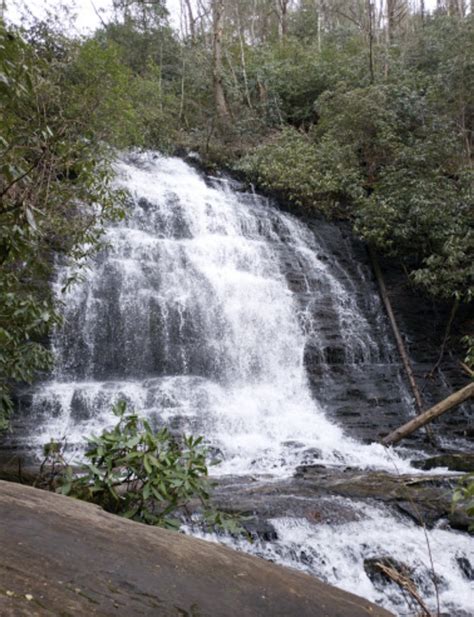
{"points": [[156, 108], [96, 85], [393, 157], [142, 474], [293, 76], [468, 342], [55, 190], [292, 167], [464, 497]]}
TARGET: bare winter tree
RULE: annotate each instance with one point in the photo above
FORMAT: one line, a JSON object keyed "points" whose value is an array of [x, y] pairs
{"points": [[190, 20], [397, 10], [455, 8], [282, 10], [222, 109]]}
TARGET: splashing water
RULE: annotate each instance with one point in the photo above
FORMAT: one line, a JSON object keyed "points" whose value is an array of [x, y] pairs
{"points": [[341, 554]]}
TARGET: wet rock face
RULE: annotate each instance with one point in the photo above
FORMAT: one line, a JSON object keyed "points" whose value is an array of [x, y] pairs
{"points": [[368, 394], [310, 495], [424, 499], [423, 325], [454, 462], [466, 568], [361, 386], [339, 504], [376, 569]]}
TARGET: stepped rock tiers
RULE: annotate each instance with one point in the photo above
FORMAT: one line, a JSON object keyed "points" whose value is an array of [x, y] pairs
{"points": [[64, 557]]}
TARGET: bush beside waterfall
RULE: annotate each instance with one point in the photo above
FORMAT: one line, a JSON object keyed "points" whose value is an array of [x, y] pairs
{"points": [[142, 474]]}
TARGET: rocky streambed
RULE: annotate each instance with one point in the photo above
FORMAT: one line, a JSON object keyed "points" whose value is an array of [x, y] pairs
{"points": [[370, 532], [425, 499]]}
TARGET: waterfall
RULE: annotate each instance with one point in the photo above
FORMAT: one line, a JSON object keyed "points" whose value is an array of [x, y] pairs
{"points": [[188, 316], [201, 312]]}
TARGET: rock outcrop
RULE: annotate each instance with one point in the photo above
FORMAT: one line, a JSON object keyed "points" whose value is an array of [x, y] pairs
{"points": [[63, 557]]}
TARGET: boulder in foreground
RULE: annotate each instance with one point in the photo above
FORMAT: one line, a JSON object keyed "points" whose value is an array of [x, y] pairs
{"points": [[64, 557]]}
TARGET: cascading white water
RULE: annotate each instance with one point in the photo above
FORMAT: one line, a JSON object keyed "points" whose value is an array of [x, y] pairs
{"points": [[189, 316], [339, 554]]}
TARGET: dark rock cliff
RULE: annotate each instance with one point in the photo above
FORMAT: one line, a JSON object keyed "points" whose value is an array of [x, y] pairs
{"points": [[372, 398]]}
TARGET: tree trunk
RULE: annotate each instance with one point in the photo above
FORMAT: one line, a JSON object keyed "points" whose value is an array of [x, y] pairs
{"points": [[242, 59], [220, 101], [448, 403], [391, 7], [370, 12], [191, 20], [456, 8], [319, 28], [282, 6], [396, 332], [183, 74]]}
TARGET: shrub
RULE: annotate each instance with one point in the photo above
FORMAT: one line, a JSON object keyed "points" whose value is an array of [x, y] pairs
{"points": [[139, 473], [464, 497]]}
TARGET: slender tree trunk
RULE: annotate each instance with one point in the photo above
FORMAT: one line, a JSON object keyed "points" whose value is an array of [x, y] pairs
{"points": [[378, 20], [252, 22], [447, 332], [191, 21], [396, 332], [282, 7], [456, 8], [204, 19], [319, 10], [220, 101], [262, 93], [182, 98], [160, 79], [388, 35], [228, 59], [242, 59], [370, 11], [391, 9]]}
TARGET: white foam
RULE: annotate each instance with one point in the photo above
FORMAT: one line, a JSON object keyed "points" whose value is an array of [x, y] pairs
{"points": [[335, 552]]}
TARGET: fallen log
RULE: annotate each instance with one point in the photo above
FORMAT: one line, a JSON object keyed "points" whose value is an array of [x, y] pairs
{"points": [[434, 412], [467, 370]]}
